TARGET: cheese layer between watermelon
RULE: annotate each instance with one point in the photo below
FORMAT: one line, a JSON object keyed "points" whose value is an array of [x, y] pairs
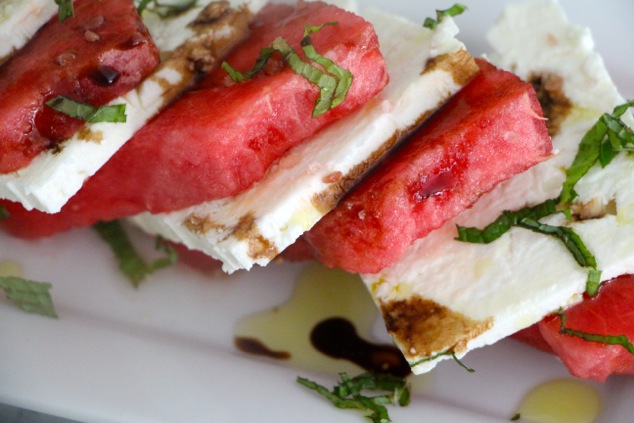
{"points": [[489, 131], [221, 137], [95, 56]]}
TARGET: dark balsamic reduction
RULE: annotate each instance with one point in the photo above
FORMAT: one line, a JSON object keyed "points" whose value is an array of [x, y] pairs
{"points": [[338, 338], [256, 347], [105, 76]]}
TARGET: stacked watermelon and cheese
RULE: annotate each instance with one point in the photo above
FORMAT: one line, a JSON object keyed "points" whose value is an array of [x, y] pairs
{"points": [[444, 298], [241, 169], [95, 58]]}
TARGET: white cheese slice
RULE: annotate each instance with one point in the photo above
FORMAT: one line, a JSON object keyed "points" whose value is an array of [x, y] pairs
{"points": [[447, 296], [253, 227], [20, 20], [53, 177]]}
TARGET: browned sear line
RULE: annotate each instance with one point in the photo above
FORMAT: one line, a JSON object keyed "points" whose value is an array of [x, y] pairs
{"points": [[460, 65], [257, 347], [259, 246], [555, 104], [423, 327]]}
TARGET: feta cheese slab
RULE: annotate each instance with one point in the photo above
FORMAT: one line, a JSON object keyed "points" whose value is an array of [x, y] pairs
{"points": [[426, 67], [20, 20], [448, 297], [53, 177]]}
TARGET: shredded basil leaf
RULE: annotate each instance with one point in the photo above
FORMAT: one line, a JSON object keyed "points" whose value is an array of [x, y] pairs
{"points": [[86, 112], [131, 263], [164, 10], [349, 393], [528, 218], [607, 137], [333, 82], [454, 10], [506, 221], [621, 340], [343, 76], [569, 237], [441, 354], [31, 296], [4, 213], [66, 9]]}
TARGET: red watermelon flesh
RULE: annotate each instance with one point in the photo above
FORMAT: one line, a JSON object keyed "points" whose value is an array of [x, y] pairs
{"points": [[99, 54], [610, 312], [492, 129], [220, 138]]}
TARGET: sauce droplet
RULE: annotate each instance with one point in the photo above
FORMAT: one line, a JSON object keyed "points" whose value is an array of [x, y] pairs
{"points": [[105, 76], [338, 338], [319, 294], [561, 401], [256, 347]]}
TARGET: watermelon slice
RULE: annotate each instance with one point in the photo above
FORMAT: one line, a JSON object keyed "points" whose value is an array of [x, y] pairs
{"points": [[221, 137], [609, 313], [491, 130], [99, 54]]}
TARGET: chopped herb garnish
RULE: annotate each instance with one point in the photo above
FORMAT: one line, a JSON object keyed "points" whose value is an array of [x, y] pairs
{"points": [[516, 417], [607, 137], [454, 10], [567, 236], [66, 9], [343, 76], [31, 296], [441, 354], [528, 218], [164, 10], [333, 82], [131, 263], [621, 340], [506, 221], [593, 283], [349, 393], [4, 213], [601, 144], [86, 112]]}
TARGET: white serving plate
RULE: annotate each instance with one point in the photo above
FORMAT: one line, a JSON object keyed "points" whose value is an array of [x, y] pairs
{"points": [[165, 353]]}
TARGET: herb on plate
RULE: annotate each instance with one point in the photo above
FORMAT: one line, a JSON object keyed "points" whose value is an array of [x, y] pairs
{"points": [[133, 266], [30, 296], [350, 393]]}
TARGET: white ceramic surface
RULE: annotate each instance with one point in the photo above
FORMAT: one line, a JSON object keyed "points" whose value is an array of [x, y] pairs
{"points": [[164, 352]]}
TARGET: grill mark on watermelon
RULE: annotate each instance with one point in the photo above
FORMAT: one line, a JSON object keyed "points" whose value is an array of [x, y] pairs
{"points": [[375, 223], [555, 104], [65, 59]]}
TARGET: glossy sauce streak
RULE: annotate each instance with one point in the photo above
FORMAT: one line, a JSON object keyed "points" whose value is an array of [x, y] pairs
{"points": [[337, 337], [319, 295], [256, 347], [561, 401]]}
